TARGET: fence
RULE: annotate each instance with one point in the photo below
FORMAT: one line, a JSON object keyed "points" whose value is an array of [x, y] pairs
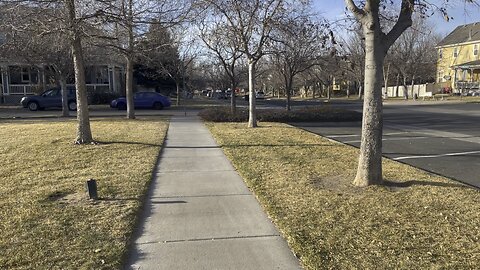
{"points": [[21, 89], [27, 89]]}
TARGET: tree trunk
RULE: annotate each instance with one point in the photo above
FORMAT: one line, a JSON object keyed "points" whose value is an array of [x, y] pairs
{"points": [[397, 85], [129, 71], [360, 90], [129, 89], [405, 88], [369, 169], [177, 84], [84, 133], [328, 92], [252, 115], [288, 87], [233, 100], [63, 86], [385, 78], [413, 88]]}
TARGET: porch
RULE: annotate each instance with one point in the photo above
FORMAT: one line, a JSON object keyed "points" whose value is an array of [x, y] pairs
{"points": [[17, 81], [467, 76]]}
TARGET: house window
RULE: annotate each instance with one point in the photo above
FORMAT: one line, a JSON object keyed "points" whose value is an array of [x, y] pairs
{"points": [[455, 52], [440, 76], [475, 49], [25, 75], [440, 53]]}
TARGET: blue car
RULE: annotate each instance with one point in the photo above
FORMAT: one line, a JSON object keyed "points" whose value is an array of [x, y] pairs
{"points": [[143, 100], [50, 99]]}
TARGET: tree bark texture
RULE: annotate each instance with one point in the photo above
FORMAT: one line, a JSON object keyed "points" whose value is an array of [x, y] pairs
{"points": [[252, 114], [369, 171], [63, 86], [129, 90], [130, 59], [84, 133]]}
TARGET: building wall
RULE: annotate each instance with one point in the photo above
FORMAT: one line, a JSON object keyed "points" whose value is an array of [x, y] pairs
{"points": [[446, 60]]}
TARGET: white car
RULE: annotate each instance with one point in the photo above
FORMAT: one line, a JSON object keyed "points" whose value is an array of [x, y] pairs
{"points": [[259, 95]]}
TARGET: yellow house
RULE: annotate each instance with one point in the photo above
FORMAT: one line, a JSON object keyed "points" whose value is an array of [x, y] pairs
{"points": [[458, 65]]}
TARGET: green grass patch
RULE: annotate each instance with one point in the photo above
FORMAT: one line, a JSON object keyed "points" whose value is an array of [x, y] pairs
{"points": [[418, 221], [308, 114], [46, 221]]}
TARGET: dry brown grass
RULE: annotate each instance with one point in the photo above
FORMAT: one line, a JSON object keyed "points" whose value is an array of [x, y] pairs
{"points": [[419, 221], [46, 221]]}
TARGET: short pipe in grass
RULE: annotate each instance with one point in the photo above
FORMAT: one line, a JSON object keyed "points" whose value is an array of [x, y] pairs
{"points": [[91, 187]]}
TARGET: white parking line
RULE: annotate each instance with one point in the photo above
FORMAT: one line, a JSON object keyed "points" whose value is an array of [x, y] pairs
{"points": [[344, 136], [359, 135], [394, 139], [441, 155]]}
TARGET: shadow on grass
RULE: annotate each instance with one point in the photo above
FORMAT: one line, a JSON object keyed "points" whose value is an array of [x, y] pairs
{"points": [[411, 183], [134, 143]]}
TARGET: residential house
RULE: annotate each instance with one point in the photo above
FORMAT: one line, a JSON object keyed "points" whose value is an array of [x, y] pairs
{"points": [[19, 78], [458, 65]]}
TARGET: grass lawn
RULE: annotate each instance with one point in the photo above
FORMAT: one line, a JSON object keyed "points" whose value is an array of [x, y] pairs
{"points": [[46, 221], [418, 221]]}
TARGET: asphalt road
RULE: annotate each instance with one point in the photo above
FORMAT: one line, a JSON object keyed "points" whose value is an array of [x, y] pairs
{"points": [[443, 138]]}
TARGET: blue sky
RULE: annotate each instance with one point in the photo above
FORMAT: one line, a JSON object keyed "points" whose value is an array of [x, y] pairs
{"points": [[335, 9]]}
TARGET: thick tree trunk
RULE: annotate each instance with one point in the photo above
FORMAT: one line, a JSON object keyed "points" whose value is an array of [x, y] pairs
{"points": [[129, 89], [252, 115], [84, 133], [369, 169], [129, 70], [63, 86]]}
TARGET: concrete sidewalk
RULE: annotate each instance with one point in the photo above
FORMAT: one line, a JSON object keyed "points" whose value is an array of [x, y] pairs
{"points": [[200, 214]]}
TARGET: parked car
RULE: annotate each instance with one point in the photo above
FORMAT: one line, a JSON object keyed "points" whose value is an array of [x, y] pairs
{"points": [[143, 100], [260, 95], [51, 98], [220, 95]]}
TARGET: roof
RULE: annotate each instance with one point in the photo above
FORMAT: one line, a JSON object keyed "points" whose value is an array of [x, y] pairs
{"points": [[468, 65], [462, 34]]}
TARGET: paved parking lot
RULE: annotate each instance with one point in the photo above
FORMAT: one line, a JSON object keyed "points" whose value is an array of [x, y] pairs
{"points": [[443, 139]]}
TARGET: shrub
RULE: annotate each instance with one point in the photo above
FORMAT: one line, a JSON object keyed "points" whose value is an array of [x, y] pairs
{"points": [[308, 114]]}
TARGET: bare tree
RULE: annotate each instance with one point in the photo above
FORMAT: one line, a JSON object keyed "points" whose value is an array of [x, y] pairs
{"points": [[413, 55], [72, 21], [219, 39], [251, 23], [300, 44], [377, 44], [126, 23]]}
